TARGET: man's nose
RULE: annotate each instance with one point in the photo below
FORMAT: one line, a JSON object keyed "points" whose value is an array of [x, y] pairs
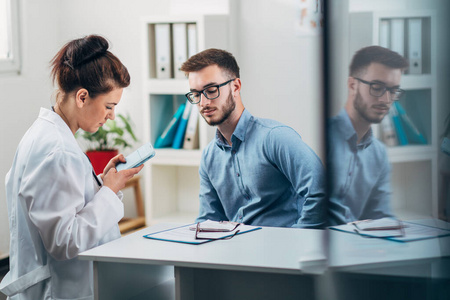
{"points": [[387, 97], [203, 100]]}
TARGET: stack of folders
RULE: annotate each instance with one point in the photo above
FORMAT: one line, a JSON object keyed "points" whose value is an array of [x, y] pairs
{"points": [[182, 130], [399, 34], [174, 44], [398, 128]]}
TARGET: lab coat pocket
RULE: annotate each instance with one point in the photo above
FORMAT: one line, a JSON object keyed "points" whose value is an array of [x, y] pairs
{"points": [[11, 287]]}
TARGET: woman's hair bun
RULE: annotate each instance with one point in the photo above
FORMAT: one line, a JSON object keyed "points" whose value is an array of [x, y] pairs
{"points": [[87, 63], [85, 50]]}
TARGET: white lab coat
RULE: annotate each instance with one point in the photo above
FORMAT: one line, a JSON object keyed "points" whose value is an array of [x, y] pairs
{"points": [[56, 210]]}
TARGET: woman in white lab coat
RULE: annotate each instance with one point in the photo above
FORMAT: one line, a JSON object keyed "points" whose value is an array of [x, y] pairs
{"points": [[57, 207]]}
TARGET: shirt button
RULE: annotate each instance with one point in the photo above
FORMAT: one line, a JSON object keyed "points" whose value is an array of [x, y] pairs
{"points": [[237, 174], [234, 151]]}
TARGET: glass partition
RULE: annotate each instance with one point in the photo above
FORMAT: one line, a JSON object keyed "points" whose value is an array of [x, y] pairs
{"points": [[386, 74]]}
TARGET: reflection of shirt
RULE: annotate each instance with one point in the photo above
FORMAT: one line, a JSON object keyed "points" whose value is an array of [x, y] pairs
{"points": [[360, 174], [268, 177]]}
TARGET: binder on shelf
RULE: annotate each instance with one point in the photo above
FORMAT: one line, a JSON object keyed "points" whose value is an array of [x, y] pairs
{"points": [[179, 135], [191, 137], [179, 48], [401, 135], [163, 51], [384, 33], [166, 138], [398, 36], [412, 132], [388, 134], [415, 45], [192, 39]]}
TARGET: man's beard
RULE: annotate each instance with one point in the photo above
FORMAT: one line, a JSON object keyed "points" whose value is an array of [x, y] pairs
{"points": [[229, 107], [363, 109]]}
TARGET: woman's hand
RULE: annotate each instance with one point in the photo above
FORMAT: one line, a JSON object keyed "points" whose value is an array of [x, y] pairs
{"points": [[112, 163], [117, 180]]}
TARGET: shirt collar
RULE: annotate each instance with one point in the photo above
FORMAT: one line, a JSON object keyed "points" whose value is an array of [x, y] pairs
{"points": [[238, 135], [349, 133], [53, 117]]}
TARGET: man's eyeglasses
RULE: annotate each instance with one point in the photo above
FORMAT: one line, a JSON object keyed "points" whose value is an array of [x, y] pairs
{"points": [[198, 229], [378, 89], [394, 227], [212, 92]]}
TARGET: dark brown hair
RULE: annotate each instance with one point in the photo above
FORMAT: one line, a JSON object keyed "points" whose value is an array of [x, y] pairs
{"points": [[87, 63], [376, 54], [223, 59]]}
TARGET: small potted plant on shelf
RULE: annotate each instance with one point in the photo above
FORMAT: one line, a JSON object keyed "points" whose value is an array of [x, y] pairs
{"points": [[103, 144]]}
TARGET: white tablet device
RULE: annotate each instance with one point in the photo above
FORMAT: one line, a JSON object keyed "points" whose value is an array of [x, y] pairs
{"points": [[137, 158]]}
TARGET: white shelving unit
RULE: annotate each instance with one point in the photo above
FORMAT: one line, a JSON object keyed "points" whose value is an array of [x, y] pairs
{"points": [[171, 177], [414, 167]]}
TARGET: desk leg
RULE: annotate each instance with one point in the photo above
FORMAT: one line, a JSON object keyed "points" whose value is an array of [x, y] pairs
{"points": [[206, 284], [184, 283], [132, 281]]}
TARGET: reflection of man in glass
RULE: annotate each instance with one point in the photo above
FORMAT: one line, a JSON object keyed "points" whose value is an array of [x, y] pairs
{"points": [[256, 171], [358, 161]]}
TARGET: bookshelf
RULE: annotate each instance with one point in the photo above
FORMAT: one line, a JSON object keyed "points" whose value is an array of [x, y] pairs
{"points": [[414, 166], [171, 177]]}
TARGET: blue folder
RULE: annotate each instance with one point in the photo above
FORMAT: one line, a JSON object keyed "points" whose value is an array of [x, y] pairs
{"points": [[166, 138], [413, 134], [401, 135], [181, 130]]}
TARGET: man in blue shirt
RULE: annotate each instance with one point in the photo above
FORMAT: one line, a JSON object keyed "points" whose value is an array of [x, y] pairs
{"points": [[360, 171], [256, 171]]}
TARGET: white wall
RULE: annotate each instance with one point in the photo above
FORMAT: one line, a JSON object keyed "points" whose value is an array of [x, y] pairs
{"points": [[280, 70], [21, 96]]}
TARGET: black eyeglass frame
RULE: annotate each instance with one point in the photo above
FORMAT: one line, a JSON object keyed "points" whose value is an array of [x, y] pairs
{"points": [[400, 227], [396, 93], [198, 229], [218, 86]]}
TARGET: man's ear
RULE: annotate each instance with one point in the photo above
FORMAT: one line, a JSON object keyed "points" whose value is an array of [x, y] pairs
{"points": [[81, 96], [236, 86], [352, 85]]}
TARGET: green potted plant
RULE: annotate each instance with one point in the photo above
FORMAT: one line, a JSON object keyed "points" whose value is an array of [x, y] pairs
{"points": [[104, 143]]}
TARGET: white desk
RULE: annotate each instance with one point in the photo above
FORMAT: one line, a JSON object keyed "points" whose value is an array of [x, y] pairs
{"points": [[263, 264], [370, 268]]}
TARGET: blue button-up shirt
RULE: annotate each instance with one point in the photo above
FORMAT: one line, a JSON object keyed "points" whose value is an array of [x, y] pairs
{"points": [[268, 177], [360, 174]]}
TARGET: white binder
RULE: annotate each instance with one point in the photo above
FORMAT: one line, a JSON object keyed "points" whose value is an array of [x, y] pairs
{"points": [[179, 48], [384, 33], [192, 39], [191, 136], [398, 36], [162, 51], [415, 45]]}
